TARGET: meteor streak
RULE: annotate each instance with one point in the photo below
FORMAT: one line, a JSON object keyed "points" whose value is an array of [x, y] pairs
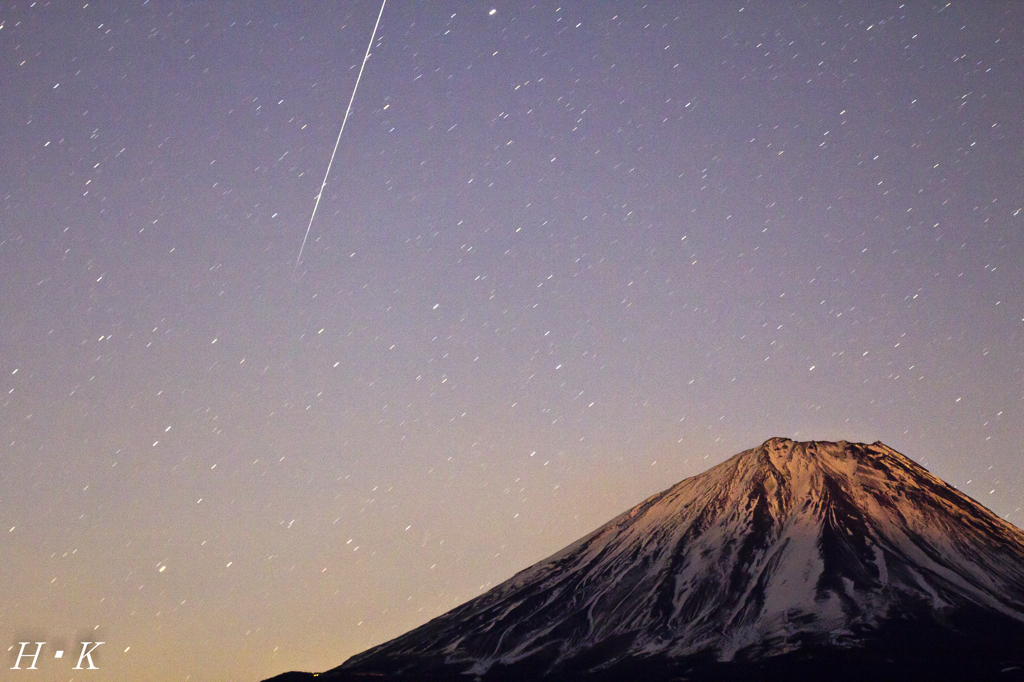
{"points": [[348, 110]]}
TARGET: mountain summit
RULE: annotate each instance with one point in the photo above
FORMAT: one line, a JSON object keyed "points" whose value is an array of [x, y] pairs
{"points": [[825, 560]]}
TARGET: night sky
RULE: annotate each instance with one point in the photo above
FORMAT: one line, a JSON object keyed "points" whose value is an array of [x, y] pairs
{"points": [[566, 256]]}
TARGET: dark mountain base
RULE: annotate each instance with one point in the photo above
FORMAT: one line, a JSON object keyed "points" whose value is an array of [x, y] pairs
{"points": [[830, 666], [904, 652], [849, 667]]}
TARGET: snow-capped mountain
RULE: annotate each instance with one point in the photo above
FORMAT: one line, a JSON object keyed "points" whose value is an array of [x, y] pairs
{"points": [[826, 560]]}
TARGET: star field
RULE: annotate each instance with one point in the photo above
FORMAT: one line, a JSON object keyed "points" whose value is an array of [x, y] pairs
{"points": [[567, 256]]}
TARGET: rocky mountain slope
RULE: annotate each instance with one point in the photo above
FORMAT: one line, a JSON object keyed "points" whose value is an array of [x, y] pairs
{"points": [[823, 560]]}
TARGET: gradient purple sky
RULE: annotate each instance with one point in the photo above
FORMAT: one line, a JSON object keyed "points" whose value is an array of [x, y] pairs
{"points": [[567, 256]]}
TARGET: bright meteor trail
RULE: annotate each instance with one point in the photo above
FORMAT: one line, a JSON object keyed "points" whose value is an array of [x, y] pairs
{"points": [[348, 110]]}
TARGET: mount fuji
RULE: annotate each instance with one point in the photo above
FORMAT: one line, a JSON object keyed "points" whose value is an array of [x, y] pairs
{"points": [[802, 560]]}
